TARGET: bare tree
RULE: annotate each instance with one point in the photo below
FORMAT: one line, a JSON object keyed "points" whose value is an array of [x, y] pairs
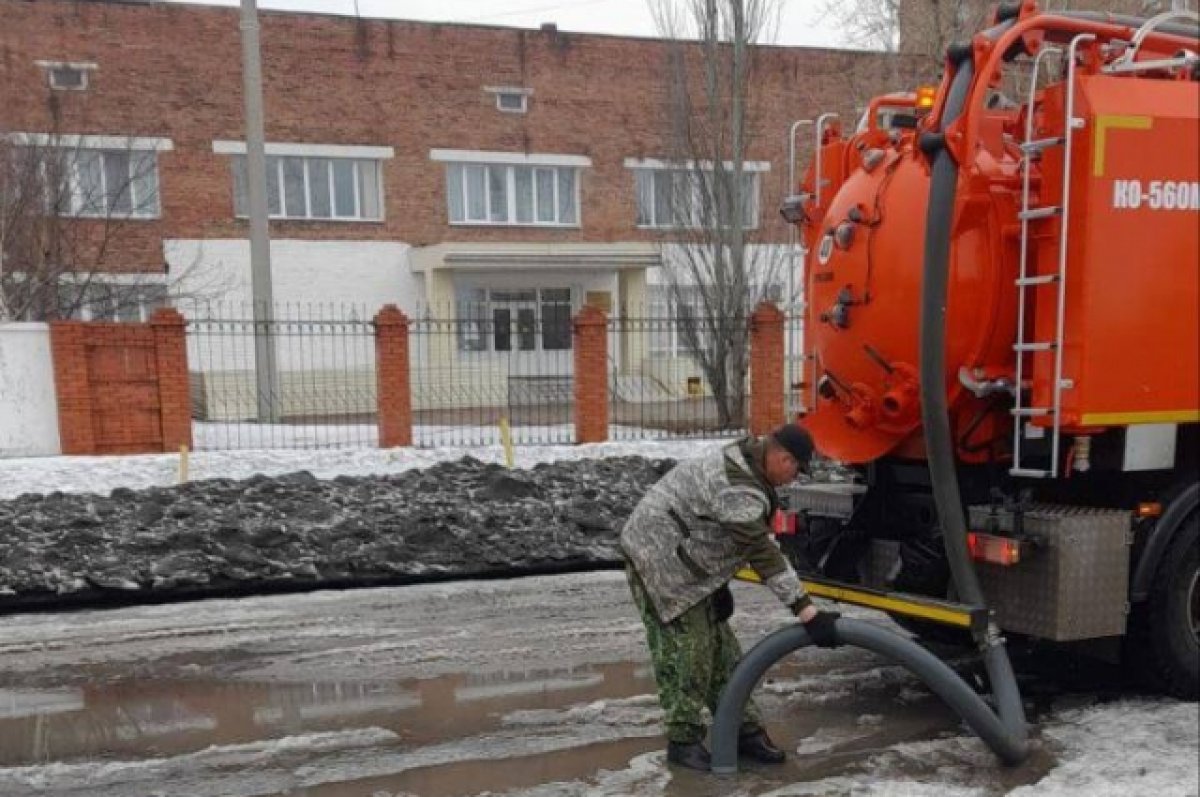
{"points": [[719, 261], [68, 206], [927, 27]]}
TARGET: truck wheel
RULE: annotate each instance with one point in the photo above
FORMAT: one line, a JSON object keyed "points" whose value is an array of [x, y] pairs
{"points": [[1173, 615]]}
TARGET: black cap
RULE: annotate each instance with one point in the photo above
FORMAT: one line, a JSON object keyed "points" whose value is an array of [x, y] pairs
{"points": [[795, 440]]}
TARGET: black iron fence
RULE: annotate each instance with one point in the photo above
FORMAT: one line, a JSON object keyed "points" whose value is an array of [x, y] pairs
{"points": [[797, 368], [674, 375], [482, 370], [477, 373], [308, 383]]}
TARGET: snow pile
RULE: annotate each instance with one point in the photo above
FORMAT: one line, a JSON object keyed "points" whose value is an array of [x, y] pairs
{"points": [[101, 475], [453, 519]]}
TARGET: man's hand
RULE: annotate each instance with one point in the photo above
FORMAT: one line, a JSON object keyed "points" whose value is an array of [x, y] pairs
{"points": [[820, 628]]}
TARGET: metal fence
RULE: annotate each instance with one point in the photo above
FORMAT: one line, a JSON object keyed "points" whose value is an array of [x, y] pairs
{"points": [[476, 368], [797, 369], [662, 370], [319, 394], [475, 371]]}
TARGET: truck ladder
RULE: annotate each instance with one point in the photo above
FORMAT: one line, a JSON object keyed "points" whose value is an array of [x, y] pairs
{"points": [[1031, 148]]}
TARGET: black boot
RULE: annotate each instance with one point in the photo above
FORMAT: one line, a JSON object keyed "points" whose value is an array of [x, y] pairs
{"points": [[693, 756], [757, 746]]}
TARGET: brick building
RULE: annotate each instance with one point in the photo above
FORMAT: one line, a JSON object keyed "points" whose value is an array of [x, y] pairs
{"points": [[419, 164]]}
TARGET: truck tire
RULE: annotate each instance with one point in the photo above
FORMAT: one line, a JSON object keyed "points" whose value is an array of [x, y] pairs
{"points": [[1172, 615]]}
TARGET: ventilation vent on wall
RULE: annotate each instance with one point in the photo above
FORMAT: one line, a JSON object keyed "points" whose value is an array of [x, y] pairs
{"points": [[510, 99], [67, 76]]}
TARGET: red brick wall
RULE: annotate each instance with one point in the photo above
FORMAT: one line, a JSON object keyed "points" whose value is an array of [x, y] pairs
{"points": [[393, 391], [174, 397], [766, 369], [591, 376], [175, 71], [122, 388]]}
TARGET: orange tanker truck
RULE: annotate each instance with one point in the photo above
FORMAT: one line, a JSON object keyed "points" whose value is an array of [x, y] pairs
{"points": [[1002, 337]]}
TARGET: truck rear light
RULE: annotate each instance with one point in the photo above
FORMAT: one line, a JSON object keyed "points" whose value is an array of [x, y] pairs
{"points": [[783, 522], [1149, 509], [991, 548]]}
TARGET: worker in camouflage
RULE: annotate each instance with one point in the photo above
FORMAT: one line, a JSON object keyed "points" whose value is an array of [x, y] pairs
{"points": [[683, 543]]}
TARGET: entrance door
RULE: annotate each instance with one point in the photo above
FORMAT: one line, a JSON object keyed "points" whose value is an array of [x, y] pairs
{"points": [[515, 327]]}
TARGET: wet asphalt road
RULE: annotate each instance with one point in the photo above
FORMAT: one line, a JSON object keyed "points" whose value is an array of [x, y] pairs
{"points": [[532, 687]]}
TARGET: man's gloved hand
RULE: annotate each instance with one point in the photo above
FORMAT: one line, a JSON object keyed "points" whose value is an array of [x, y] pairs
{"points": [[821, 630], [723, 604]]}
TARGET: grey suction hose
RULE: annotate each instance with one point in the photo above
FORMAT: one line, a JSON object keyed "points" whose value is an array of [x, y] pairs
{"points": [[935, 673], [935, 416]]}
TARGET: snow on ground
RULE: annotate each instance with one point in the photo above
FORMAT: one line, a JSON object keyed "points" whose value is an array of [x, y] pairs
{"points": [[103, 474], [213, 436]]}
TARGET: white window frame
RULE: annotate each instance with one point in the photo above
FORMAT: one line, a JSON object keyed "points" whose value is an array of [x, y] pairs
{"points": [[510, 188], [508, 91], [488, 304], [308, 153], [651, 166], [663, 308], [84, 67], [129, 146], [129, 281]]}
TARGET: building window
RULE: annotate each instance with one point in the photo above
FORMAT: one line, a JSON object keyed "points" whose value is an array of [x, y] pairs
{"points": [[102, 183], [510, 99], [322, 188], [98, 299], [514, 319], [668, 313], [480, 193], [684, 197], [67, 76]]}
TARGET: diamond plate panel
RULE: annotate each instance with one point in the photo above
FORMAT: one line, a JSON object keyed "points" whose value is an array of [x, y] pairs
{"points": [[1073, 585]]}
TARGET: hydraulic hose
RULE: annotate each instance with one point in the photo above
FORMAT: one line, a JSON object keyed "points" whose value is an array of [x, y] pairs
{"points": [[935, 673], [935, 415]]}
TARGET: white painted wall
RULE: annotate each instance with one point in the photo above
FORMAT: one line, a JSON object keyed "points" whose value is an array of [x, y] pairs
{"points": [[28, 403], [370, 273], [311, 281]]}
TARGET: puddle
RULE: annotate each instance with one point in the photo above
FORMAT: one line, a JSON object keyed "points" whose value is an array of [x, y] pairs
{"points": [[138, 719]]}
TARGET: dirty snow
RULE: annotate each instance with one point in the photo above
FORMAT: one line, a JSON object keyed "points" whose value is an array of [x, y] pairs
{"points": [[103, 474]]}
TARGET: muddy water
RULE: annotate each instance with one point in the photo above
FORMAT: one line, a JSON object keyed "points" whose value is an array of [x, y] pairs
{"points": [[129, 721], [433, 697]]}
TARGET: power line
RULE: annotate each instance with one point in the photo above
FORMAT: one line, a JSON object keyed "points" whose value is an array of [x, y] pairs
{"points": [[537, 10]]}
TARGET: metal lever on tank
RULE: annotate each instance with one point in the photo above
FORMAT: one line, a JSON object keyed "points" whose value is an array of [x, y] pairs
{"points": [[976, 381], [793, 208], [839, 314]]}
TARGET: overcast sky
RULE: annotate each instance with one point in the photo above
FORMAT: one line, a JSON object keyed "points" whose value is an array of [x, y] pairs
{"points": [[800, 24]]}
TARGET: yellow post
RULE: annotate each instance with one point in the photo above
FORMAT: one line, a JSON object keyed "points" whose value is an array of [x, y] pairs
{"points": [[183, 463], [506, 441]]}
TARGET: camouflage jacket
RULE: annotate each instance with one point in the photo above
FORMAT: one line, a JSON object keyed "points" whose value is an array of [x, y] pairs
{"points": [[700, 523]]}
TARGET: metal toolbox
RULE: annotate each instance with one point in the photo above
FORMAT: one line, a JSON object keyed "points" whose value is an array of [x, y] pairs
{"points": [[1073, 584]]}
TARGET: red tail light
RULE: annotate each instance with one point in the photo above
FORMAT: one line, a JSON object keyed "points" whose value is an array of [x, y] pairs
{"points": [[990, 548], [783, 522]]}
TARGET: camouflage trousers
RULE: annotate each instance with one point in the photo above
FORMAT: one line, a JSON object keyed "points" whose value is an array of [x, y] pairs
{"points": [[693, 657]]}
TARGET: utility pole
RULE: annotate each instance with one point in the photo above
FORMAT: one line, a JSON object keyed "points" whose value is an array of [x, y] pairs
{"points": [[260, 244]]}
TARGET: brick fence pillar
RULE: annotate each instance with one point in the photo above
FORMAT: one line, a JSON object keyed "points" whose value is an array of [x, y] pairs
{"points": [[393, 392], [76, 430], [766, 368], [174, 399], [591, 375]]}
